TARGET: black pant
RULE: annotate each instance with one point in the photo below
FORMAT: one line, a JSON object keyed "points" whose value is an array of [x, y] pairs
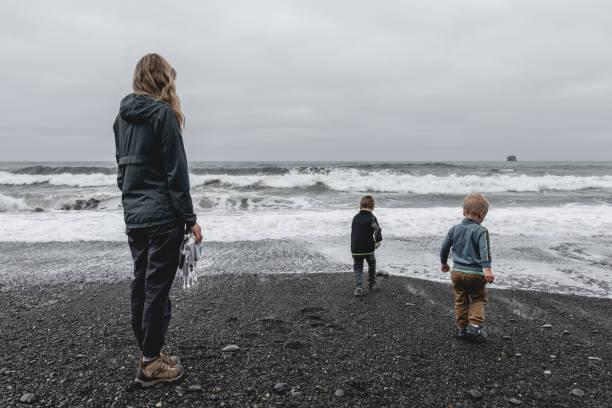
{"points": [[358, 269], [155, 251]]}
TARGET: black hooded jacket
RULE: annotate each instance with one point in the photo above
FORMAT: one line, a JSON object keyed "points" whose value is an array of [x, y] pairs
{"points": [[365, 233], [152, 175]]}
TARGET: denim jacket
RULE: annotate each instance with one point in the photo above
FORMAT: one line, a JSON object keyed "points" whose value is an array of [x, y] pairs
{"points": [[471, 248]]}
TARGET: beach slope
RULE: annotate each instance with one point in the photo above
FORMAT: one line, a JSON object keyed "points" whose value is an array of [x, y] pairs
{"points": [[71, 345]]}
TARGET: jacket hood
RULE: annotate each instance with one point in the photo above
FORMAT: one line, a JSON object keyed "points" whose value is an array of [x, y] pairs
{"points": [[137, 108]]}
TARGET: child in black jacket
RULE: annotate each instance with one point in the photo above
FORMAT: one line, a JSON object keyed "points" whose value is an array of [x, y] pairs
{"points": [[365, 238]]}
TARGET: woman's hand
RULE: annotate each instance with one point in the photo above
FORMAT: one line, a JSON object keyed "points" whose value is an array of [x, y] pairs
{"points": [[197, 232]]}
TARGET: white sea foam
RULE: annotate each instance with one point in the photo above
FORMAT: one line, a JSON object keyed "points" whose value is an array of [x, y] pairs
{"points": [[11, 204], [350, 180], [64, 179], [59, 201], [222, 200], [388, 181], [565, 221]]}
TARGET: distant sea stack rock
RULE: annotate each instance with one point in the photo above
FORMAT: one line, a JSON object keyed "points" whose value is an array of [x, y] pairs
{"points": [[511, 158]]}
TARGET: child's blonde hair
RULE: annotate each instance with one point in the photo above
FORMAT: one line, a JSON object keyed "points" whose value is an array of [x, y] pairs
{"points": [[475, 204]]}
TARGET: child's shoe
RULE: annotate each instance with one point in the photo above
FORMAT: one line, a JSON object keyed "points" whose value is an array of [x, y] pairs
{"points": [[476, 332], [158, 371], [461, 333], [358, 292], [372, 286]]}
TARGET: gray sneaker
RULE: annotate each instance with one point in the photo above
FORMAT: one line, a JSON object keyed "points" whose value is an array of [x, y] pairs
{"points": [[461, 332], [476, 333], [358, 292]]}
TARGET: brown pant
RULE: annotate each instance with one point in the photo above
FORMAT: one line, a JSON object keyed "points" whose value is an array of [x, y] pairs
{"points": [[470, 297]]}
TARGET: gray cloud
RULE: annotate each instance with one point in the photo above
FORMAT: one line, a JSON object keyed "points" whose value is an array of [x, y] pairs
{"points": [[316, 80]]}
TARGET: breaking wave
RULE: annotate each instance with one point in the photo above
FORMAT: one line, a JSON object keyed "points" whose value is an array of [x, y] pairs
{"points": [[12, 204], [56, 202], [387, 181], [62, 179], [40, 169], [345, 180]]}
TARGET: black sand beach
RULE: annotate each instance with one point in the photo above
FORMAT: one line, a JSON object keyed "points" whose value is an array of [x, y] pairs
{"points": [[71, 345]]}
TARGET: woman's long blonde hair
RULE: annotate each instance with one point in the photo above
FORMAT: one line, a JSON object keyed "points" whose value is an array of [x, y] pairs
{"points": [[154, 76]]}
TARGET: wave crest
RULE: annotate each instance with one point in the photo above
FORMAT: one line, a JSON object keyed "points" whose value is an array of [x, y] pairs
{"points": [[349, 180], [62, 179], [12, 204], [44, 170], [391, 182], [56, 202]]}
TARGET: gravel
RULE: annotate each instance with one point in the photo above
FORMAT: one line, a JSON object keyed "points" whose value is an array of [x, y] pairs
{"points": [[71, 345]]}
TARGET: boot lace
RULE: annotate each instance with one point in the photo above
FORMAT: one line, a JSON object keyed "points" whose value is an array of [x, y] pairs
{"points": [[165, 358]]}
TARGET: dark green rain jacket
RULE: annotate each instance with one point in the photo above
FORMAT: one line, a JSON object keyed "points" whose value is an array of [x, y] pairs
{"points": [[152, 175]]}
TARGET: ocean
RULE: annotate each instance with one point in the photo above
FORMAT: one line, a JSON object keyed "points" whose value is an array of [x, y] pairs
{"points": [[550, 222]]}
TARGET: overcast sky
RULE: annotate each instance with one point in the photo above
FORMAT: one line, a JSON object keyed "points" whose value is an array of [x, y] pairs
{"points": [[316, 80]]}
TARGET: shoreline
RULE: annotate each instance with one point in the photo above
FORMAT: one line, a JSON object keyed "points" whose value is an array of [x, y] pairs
{"points": [[71, 344], [517, 264]]}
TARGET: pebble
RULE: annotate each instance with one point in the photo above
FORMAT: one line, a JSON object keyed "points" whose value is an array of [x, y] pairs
{"points": [[194, 388], [159, 404], [518, 355], [319, 388], [180, 391], [515, 401], [595, 358], [552, 356], [230, 348], [566, 332], [295, 345], [475, 394], [410, 304], [362, 386], [29, 398], [339, 393], [547, 372], [80, 356], [506, 337], [577, 392], [280, 388], [217, 389], [547, 326]]}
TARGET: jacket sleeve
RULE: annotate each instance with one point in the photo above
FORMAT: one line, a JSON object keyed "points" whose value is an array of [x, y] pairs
{"points": [[175, 165], [485, 248], [446, 246], [119, 173], [377, 230]]}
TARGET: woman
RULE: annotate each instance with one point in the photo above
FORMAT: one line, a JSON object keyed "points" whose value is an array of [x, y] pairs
{"points": [[154, 184]]}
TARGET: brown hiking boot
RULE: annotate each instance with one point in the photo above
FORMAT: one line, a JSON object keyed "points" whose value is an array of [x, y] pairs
{"points": [[158, 371], [167, 358]]}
